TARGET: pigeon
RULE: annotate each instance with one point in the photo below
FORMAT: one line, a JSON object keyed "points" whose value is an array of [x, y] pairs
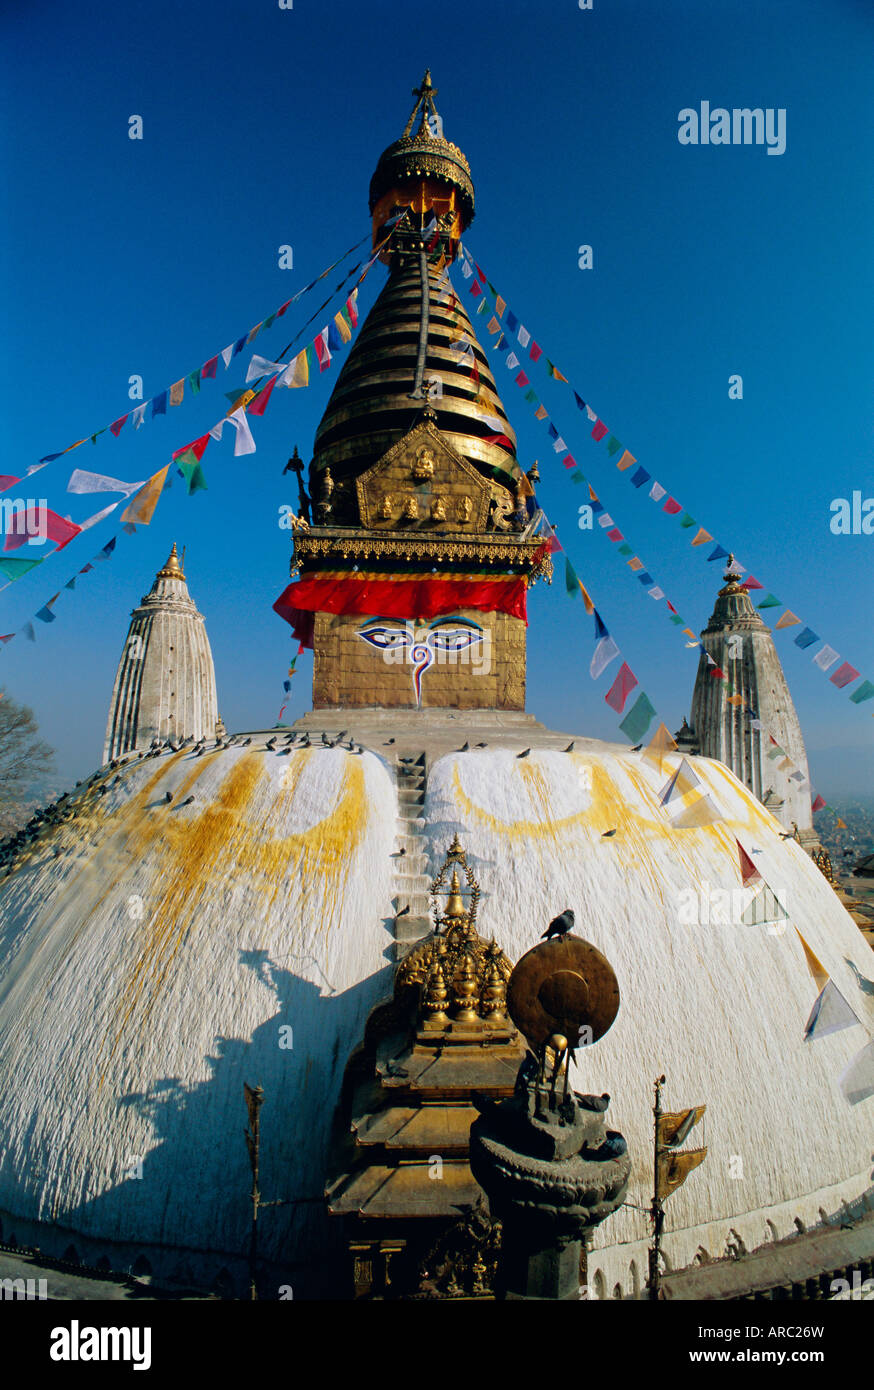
{"points": [[465, 747], [607, 833], [524, 753], [407, 760], [271, 744], [388, 742], [246, 742], [168, 797], [399, 853], [559, 926], [325, 739], [482, 745], [200, 752], [289, 738], [342, 734], [570, 747], [187, 802]]}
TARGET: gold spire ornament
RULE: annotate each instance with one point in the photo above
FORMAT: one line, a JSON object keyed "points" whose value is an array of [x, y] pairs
{"points": [[172, 569]]}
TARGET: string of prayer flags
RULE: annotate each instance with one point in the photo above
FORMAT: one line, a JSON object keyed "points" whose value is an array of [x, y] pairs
{"points": [[81, 481]]}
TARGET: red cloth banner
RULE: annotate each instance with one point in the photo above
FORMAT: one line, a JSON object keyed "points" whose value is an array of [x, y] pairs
{"points": [[621, 688], [394, 598]]}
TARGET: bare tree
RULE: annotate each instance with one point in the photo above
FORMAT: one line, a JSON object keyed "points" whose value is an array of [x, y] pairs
{"points": [[25, 761]]}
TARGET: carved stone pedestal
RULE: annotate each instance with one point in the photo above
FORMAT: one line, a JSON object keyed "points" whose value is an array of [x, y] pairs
{"points": [[552, 1171]]}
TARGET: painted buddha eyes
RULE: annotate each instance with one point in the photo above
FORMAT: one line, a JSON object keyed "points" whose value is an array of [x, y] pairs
{"points": [[454, 639], [387, 638]]}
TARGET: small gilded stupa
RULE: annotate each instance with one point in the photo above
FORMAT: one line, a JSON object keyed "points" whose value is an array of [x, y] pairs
{"points": [[421, 511], [165, 683]]}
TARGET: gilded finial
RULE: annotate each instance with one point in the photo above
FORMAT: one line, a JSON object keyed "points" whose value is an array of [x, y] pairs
{"points": [[172, 569], [454, 904]]}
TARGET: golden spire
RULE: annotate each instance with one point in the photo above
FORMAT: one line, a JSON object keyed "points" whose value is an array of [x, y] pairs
{"points": [[173, 568], [454, 906]]}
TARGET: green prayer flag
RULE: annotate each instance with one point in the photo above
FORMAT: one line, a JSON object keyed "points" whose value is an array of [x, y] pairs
{"points": [[14, 568], [675, 618], [771, 601], [571, 583], [194, 381], [865, 691], [193, 473], [638, 719], [687, 521], [578, 477], [268, 322], [625, 549], [613, 445], [531, 395]]}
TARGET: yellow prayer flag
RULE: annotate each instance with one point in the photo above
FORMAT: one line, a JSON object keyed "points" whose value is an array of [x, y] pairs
{"points": [[626, 460], [635, 564], [241, 402], [702, 537], [674, 1168], [735, 699], [177, 391], [589, 605], [141, 507], [253, 332], [500, 306], [840, 824], [493, 326], [343, 327], [816, 968], [541, 412], [788, 620], [674, 1126], [662, 742], [687, 632], [301, 374]]}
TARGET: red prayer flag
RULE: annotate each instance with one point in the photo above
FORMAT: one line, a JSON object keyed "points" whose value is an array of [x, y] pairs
{"points": [[522, 380], [717, 674], [621, 688], [569, 461], [259, 404], [535, 351], [615, 534], [209, 368], [751, 583], [480, 273], [55, 528], [352, 310], [197, 447], [497, 439], [115, 427], [748, 871], [599, 431], [672, 507], [7, 480], [843, 675], [280, 312], [818, 804]]}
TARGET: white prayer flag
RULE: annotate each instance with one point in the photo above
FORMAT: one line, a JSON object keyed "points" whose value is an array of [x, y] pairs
{"points": [[559, 446], [245, 444], [605, 652], [606, 520], [830, 1014], [226, 354], [138, 415], [512, 361], [80, 481], [826, 658], [260, 366], [657, 492], [657, 593], [523, 335], [591, 414], [499, 426], [857, 1079], [466, 270], [98, 516], [684, 780]]}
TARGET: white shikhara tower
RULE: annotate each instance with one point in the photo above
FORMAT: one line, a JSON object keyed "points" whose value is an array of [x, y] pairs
{"points": [[165, 683], [742, 646]]}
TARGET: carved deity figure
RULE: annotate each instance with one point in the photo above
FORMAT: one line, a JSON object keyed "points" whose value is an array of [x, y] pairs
{"points": [[438, 509], [423, 468], [411, 509], [385, 507], [465, 507]]}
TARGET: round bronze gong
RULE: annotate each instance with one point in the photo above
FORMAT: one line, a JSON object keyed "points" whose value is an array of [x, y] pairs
{"points": [[558, 987]]}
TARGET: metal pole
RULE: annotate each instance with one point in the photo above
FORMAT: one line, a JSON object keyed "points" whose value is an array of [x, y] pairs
{"points": [[657, 1212]]}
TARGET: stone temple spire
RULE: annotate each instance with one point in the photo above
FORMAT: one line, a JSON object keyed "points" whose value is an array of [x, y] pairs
{"points": [[165, 683], [742, 646]]}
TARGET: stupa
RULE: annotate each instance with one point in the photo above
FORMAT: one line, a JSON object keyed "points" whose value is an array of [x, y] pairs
{"points": [[207, 918]]}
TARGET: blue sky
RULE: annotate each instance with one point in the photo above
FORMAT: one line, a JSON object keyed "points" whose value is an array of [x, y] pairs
{"points": [[262, 128]]}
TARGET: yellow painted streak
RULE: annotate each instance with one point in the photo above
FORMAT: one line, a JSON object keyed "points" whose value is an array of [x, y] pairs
{"points": [[203, 847]]}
